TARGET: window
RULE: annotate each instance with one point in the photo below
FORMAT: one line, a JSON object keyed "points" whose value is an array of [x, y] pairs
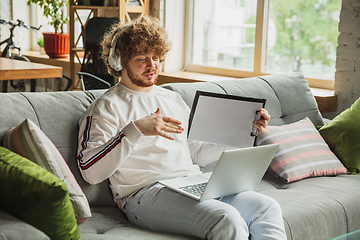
{"points": [[224, 34], [244, 38]]}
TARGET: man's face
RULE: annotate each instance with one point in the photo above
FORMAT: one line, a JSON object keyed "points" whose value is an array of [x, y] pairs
{"points": [[143, 69]]}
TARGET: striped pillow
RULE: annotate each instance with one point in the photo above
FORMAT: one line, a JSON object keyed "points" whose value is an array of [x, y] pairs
{"points": [[302, 152], [29, 141]]}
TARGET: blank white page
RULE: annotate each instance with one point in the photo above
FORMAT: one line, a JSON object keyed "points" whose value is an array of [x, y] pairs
{"points": [[223, 119]]}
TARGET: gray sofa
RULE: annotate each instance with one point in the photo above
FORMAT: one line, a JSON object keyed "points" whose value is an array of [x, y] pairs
{"points": [[313, 208]]}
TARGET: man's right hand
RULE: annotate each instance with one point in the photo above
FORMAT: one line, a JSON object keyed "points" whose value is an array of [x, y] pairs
{"points": [[155, 124]]}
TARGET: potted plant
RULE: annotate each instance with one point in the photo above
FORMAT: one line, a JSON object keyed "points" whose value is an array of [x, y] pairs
{"points": [[40, 43], [56, 45]]}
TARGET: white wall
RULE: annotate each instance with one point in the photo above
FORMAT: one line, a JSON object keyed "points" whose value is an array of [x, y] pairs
{"points": [[5, 15], [20, 11], [347, 76]]}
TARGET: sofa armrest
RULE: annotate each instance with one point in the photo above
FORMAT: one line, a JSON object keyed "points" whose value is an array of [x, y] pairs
{"points": [[12, 228]]}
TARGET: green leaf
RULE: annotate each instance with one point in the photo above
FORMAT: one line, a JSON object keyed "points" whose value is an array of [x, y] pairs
{"points": [[55, 9]]}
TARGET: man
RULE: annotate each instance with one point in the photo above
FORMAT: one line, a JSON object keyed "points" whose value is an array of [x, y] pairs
{"points": [[135, 135]]}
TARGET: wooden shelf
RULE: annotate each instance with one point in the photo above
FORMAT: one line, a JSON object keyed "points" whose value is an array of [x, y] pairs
{"points": [[78, 49], [93, 7], [129, 8], [124, 15]]}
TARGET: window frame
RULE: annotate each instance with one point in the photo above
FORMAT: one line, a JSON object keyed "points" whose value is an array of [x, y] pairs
{"points": [[259, 54]]}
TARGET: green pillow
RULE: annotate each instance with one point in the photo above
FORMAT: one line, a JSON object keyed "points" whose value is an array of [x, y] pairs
{"points": [[342, 134], [36, 196]]}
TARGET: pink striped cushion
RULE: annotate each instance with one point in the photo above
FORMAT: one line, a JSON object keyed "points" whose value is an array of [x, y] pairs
{"points": [[29, 141], [302, 152]]}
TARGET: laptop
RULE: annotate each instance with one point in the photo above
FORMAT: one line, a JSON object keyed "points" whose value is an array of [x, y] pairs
{"points": [[236, 171]]}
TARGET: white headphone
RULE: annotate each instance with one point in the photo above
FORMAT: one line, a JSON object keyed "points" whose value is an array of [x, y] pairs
{"points": [[114, 60]]}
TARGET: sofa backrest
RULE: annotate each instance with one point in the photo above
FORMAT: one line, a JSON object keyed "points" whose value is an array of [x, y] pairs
{"points": [[288, 97], [57, 113]]}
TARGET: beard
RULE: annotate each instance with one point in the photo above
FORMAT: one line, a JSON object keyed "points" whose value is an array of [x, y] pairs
{"points": [[140, 82]]}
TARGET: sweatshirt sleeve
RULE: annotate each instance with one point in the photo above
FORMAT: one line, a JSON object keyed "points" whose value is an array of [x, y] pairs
{"points": [[203, 153], [102, 147]]}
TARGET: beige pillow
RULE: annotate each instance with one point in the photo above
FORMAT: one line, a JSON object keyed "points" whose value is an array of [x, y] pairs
{"points": [[29, 141]]}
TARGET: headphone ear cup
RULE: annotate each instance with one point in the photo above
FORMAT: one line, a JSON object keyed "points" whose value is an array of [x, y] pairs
{"points": [[118, 63], [114, 61]]}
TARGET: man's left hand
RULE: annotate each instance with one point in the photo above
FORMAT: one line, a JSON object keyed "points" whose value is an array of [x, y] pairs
{"points": [[263, 121]]}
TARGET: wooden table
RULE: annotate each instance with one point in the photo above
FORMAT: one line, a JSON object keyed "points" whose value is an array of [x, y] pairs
{"points": [[11, 69]]}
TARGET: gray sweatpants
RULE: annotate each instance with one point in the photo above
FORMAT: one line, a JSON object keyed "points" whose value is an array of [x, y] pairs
{"points": [[231, 217]]}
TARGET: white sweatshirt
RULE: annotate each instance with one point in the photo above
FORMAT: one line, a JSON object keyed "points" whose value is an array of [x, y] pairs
{"points": [[110, 145]]}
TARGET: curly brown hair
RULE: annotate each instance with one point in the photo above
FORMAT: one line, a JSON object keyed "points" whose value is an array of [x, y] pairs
{"points": [[142, 35]]}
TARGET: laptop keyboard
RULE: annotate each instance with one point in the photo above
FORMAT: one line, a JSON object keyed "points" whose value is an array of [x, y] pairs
{"points": [[196, 189]]}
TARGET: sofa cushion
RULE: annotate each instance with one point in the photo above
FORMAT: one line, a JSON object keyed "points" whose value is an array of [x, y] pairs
{"points": [[302, 152], [57, 114], [342, 136], [29, 141], [316, 208], [111, 223], [14, 228], [295, 98], [187, 91], [288, 97], [36, 196], [257, 88], [14, 108]]}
